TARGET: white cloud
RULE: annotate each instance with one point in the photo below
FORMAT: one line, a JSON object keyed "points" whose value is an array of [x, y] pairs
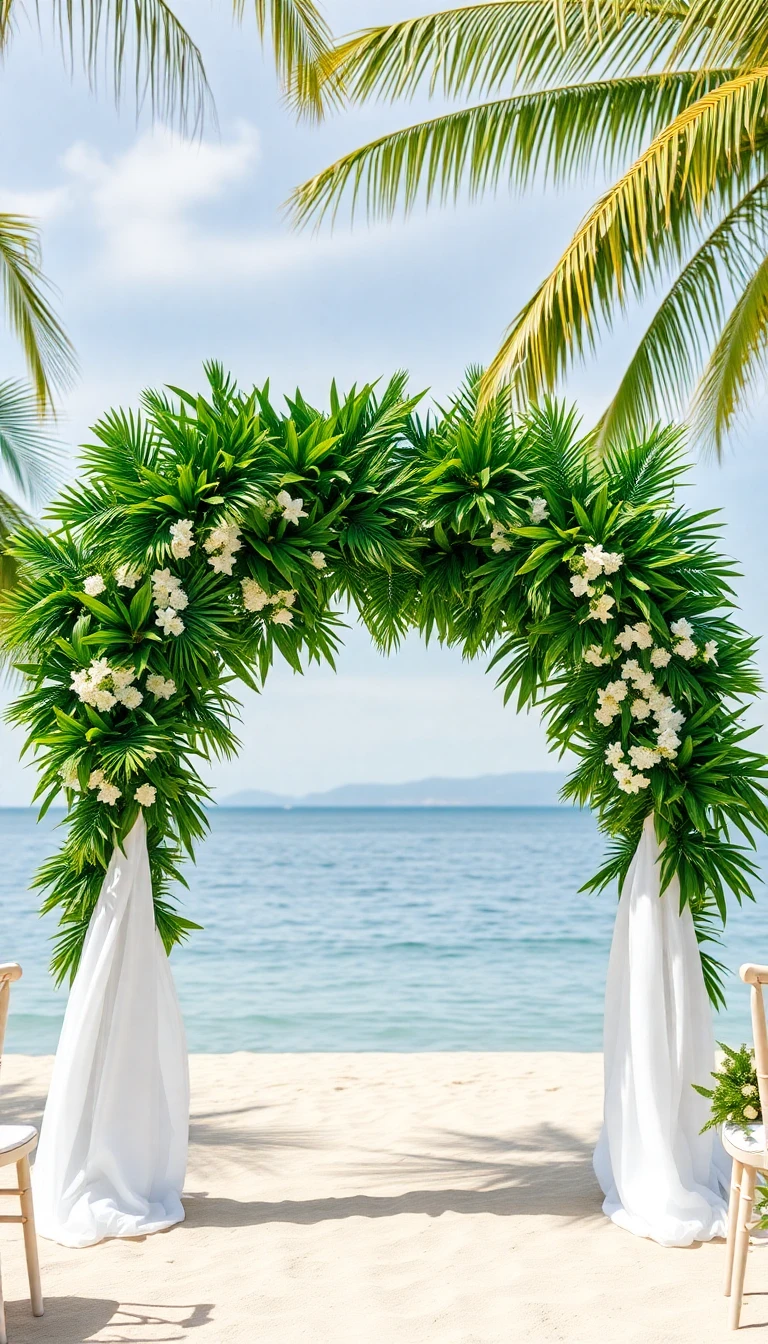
{"points": [[147, 206]]}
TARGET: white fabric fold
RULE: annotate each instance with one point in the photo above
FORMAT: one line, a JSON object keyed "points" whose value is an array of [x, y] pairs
{"points": [[113, 1146], [661, 1177]]}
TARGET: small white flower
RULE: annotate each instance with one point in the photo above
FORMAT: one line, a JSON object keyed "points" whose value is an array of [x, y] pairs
{"points": [[668, 742], [95, 779], [631, 669], [640, 709], [224, 537], [750, 1112], [169, 622], [94, 585], [643, 636], [223, 563], [616, 690], [109, 794], [580, 586], [159, 687], [600, 608], [682, 628], [686, 649], [69, 777], [317, 559], [710, 649], [81, 682], [594, 557], [282, 617], [614, 754], [183, 538], [594, 656], [644, 683], [749, 1090], [104, 700], [607, 712], [287, 596], [293, 509], [254, 596], [122, 677], [612, 561], [660, 657], [500, 544], [126, 577], [539, 511], [145, 795], [659, 702], [626, 639], [643, 758], [670, 718], [130, 696]]}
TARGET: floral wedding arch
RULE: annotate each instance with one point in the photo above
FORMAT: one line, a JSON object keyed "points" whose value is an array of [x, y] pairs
{"points": [[209, 536]]}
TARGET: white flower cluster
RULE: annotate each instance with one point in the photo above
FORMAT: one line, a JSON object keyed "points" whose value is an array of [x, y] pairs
{"points": [[600, 608], [69, 777], [593, 562], [107, 793], [161, 687], [649, 701], [293, 509], [684, 644], [103, 686], [256, 598], [221, 544], [539, 511], [317, 560], [126, 577], [627, 779], [169, 599], [639, 634], [182, 538], [594, 655], [145, 795], [499, 540], [94, 585]]}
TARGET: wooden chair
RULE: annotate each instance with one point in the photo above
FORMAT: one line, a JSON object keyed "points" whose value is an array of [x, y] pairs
{"points": [[16, 1143], [750, 1155]]}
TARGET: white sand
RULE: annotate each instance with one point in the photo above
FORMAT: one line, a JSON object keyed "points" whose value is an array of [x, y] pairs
{"points": [[381, 1199]]}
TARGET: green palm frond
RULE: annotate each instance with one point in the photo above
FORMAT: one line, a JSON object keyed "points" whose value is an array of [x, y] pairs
{"points": [[552, 135], [28, 452], [48, 352], [300, 41], [491, 46], [737, 364], [678, 341], [670, 184]]}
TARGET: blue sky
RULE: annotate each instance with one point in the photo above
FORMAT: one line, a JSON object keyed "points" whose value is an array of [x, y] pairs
{"points": [[167, 253]]}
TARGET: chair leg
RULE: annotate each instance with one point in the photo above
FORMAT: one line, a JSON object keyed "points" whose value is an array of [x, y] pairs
{"points": [[742, 1245], [30, 1236], [733, 1218], [3, 1335]]}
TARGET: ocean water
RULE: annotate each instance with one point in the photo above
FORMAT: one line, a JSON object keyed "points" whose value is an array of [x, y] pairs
{"points": [[422, 929]]}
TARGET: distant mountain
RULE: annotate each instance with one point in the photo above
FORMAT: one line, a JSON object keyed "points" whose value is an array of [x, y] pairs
{"points": [[524, 789]]}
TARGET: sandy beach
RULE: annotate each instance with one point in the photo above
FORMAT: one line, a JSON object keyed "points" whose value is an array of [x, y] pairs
{"points": [[380, 1199]]}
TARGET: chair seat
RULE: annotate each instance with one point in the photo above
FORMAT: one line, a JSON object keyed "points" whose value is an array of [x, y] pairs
{"points": [[751, 1142], [15, 1136]]}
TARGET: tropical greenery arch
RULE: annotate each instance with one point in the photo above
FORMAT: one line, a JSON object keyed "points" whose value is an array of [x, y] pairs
{"points": [[210, 534]]}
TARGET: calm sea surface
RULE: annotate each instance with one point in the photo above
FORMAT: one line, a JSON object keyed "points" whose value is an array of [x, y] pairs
{"points": [[373, 930]]}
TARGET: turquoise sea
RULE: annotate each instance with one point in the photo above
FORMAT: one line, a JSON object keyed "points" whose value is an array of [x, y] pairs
{"points": [[380, 929]]}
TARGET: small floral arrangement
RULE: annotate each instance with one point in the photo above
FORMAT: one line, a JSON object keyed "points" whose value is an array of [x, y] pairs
{"points": [[735, 1097]]}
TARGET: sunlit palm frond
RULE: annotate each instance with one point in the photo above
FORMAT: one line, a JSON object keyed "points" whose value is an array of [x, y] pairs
{"points": [[737, 364], [736, 32], [697, 155], [144, 44], [554, 134], [678, 341], [300, 41], [506, 44], [49, 354]]}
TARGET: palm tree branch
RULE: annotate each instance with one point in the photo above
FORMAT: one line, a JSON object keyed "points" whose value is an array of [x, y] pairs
{"points": [[552, 132], [705, 150], [683, 328], [489, 46], [737, 364], [27, 450], [301, 40], [48, 352]]}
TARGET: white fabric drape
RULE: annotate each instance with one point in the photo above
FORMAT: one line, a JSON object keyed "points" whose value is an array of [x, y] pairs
{"points": [[661, 1177], [113, 1147]]}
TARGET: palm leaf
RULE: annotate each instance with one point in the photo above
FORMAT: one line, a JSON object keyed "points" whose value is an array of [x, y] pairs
{"points": [[736, 364], [700, 153], [47, 349], [28, 452]]}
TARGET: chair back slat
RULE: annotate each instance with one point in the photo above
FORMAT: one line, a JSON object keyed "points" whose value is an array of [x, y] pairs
{"points": [[8, 973], [756, 977]]}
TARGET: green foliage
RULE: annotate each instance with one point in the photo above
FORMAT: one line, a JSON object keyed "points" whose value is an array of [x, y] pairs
{"points": [[243, 528], [735, 1097]]}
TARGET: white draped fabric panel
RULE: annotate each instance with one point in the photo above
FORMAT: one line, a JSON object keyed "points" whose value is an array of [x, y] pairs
{"points": [[661, 1177], [113, 1147]]}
